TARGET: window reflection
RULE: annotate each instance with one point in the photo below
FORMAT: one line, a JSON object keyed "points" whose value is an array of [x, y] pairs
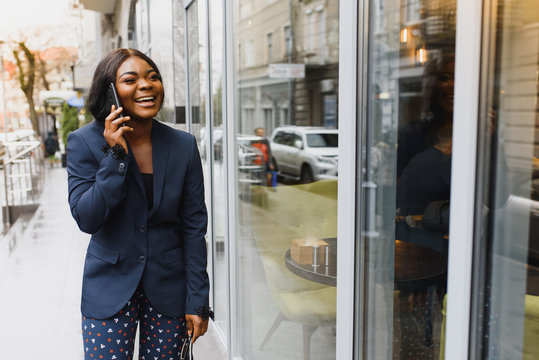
{"points": [[424, 154], [287, 155], [407, 176], [507, 288]]}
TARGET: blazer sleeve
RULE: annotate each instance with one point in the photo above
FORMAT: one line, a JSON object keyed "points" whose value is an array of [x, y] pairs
{"points": [[95, 187], [193, 219]]}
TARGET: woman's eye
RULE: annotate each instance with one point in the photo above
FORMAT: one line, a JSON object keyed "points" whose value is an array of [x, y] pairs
{"points": [[154, 77], [129, 81]]}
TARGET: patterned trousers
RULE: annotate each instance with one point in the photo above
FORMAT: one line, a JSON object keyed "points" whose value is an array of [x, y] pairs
{"points": [[160, 337]]}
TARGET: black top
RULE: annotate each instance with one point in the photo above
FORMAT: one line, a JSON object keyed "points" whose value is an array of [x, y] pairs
{"points": [[426, 178], [148, 185]]}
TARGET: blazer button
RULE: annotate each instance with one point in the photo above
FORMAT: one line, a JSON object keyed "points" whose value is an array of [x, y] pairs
{"points": [[141, 228], [141, 259]]}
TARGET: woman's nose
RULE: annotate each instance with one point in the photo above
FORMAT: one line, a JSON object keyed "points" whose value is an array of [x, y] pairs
{"points": [[145, 84]]}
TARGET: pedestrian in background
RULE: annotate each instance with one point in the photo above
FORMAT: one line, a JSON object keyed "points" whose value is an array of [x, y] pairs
{"points": [[136, 185], [51, 146], [264, 146]]}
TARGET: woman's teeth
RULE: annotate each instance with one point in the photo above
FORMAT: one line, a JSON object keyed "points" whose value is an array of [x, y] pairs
{"points": [[149, 98]]}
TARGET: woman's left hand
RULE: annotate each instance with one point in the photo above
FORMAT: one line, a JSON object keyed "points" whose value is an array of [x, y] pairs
{"points": [[196, 326]]}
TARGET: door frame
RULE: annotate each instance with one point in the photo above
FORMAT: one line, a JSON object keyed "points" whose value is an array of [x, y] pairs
{"points": [[354, 26]]}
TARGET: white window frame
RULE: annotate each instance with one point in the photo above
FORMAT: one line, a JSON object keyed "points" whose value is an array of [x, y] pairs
{"points": [[463, 178], [354, 16], [270, 46], [287, 49], [249, 53], [346, 198], [230, 158]]}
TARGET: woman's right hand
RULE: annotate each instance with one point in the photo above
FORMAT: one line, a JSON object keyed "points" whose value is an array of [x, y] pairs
{"points": [[113, 131]]}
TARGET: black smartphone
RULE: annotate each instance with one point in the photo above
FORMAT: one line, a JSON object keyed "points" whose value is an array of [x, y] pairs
{"points": [[112, 99]]}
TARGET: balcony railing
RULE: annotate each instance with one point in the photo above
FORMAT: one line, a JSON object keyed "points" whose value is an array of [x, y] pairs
{"points": [[22, 166]]}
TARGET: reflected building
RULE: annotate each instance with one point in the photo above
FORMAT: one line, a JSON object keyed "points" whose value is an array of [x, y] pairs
{"points": [[287, 63]]}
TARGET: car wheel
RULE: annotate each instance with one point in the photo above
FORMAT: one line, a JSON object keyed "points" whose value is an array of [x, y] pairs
{"points": [[306, 174]]}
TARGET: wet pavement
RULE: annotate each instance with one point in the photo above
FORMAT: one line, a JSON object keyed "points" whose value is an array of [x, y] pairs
{"points": [[41, 263]]}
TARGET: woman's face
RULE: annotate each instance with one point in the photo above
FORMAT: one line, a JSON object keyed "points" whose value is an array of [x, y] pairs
{"points": [[445, 88], [139, 88]]}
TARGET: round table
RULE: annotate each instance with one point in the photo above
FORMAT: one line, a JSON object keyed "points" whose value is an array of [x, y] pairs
{"points": [[416, 266]]}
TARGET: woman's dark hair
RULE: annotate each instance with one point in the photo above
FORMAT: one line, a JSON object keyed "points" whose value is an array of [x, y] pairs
{"points": [[105, 73]]}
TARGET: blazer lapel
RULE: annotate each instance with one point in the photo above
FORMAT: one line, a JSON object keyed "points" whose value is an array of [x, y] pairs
{"points": [[160, 153]]}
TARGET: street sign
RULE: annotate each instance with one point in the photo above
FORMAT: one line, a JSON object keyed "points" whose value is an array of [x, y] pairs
{"points": [[295, 71]]}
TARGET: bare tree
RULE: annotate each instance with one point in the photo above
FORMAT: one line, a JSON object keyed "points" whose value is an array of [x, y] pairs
{"points": [[26, 67], [42, 71]]}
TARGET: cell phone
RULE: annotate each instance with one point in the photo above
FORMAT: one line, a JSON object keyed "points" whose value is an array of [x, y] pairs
{"points": [[112, 99]]}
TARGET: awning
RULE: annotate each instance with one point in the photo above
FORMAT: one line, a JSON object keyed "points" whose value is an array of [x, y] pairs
{"points": [[55, 97], [102, 6], [76, 101]]}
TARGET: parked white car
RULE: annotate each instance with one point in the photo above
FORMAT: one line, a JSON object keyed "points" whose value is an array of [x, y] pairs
{"points": [[305, 153]]}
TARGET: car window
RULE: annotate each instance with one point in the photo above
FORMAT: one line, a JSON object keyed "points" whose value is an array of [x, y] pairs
{"points": [[322, 140], [296, 137], [278, 138], [288, 139]]}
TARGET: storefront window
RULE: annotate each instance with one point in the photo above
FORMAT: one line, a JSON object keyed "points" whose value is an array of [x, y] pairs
{"points": [[161, 52], [506, 284], [207, 127], [406, 146], [142, 27], [286, 143], [179, 61], [196, 52], [219, 172], [206, 123]]}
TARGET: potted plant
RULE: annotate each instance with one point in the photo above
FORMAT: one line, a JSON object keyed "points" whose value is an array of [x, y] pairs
{"points": [[69, 123]]}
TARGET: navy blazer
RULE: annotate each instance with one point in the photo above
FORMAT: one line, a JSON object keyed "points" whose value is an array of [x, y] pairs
{"points": [[164, 247]]}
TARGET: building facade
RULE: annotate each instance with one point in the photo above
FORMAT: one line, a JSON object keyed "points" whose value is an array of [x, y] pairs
{"points": [[424, 241]]}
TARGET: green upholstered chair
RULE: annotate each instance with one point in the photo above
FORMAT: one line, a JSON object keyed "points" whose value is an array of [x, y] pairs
{"points": [[310, 308], [531, 328], [290, 212], [442, 333], [294, 212]]}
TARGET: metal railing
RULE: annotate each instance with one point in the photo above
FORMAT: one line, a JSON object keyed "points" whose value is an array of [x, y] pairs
{"points": [[22, 166]]}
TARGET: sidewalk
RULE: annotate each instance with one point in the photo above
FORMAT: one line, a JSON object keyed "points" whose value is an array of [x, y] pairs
{"points": [[41, 265]]}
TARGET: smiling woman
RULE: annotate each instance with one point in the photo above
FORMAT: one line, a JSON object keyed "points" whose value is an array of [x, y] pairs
{"points": [[140, 89], [147, 253], [134, 74]]}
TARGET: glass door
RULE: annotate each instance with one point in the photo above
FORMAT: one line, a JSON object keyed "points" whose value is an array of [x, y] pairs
{"points": [[506, 279], [205, 119], [404, 177], [286, 61], [216, 137]]}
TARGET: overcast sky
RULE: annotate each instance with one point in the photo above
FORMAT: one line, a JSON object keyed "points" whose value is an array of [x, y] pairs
{"points": [[21, 15]]}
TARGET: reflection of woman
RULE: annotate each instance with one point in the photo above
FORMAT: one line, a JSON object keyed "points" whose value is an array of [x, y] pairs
{"points": [[136, 185], [438, 89], [426, 178]]}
